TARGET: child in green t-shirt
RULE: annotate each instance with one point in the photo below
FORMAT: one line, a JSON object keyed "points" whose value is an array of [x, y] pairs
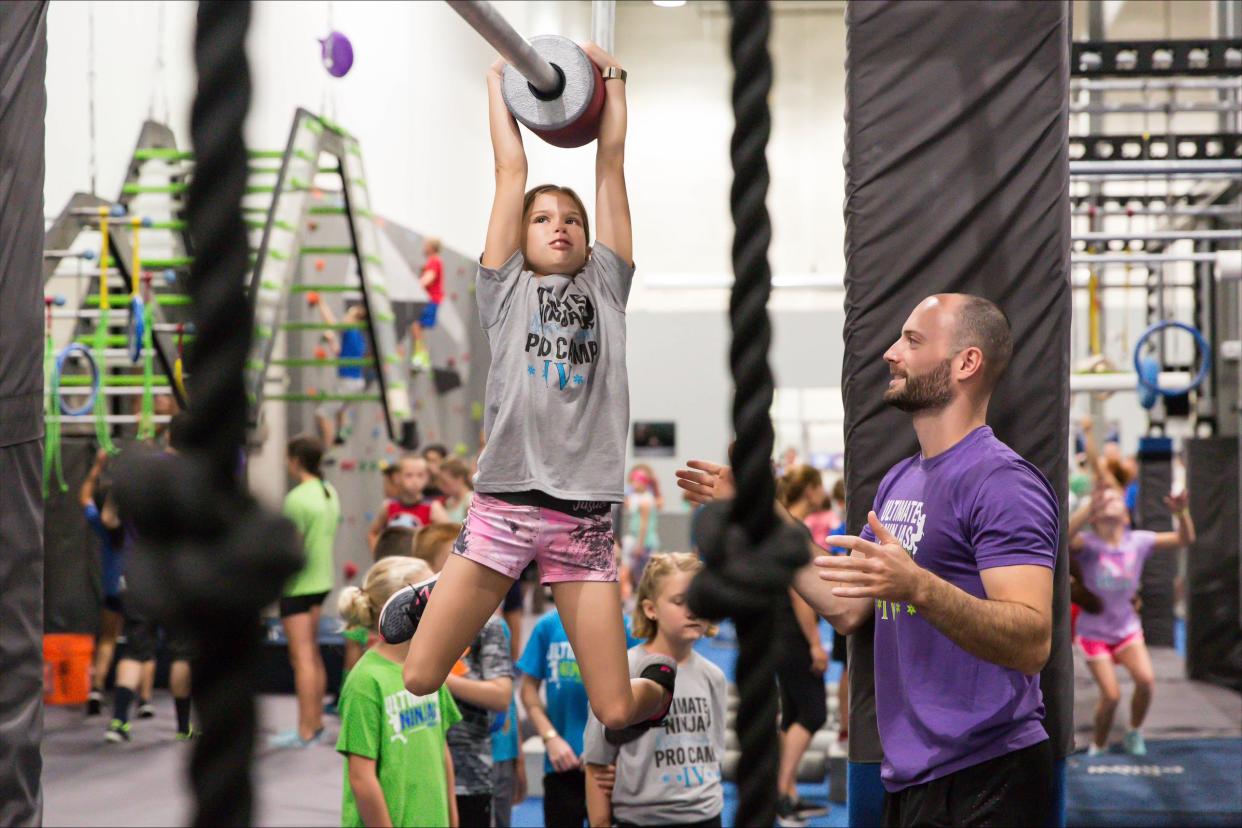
{"points": [[398, 769]]}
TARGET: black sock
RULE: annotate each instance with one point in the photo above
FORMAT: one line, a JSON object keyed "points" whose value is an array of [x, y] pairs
{"points": [[183, 714], [123, 696]]}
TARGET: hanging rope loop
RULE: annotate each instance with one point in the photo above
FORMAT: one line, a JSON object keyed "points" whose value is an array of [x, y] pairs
{"points": [[742, 577], [751, 556]]}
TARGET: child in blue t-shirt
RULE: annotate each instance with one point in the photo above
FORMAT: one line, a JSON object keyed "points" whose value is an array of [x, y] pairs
{"points": [[549, 661], [351, 345]]}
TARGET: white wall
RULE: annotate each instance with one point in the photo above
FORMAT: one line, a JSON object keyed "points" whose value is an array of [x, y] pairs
{"points": [[415, 98]]}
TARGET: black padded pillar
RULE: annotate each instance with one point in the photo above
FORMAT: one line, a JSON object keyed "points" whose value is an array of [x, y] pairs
{"points": [[1213, 637], [1155, 463], [23, 101], [957, 181]]}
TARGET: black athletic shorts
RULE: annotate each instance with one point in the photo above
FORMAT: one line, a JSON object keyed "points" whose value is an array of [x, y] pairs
{"points": [[802, 690], [112, 603], [142, 637], [839, 648], [294, 604], [1011, 790]]}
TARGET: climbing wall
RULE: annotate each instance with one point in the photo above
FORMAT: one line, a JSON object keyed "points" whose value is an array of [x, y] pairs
{"points": [[459, 359], [447, 401]]}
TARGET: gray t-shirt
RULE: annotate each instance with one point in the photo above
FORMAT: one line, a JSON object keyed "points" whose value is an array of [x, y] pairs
{"points": [[670, 774], [470, 739], [557, 409]]}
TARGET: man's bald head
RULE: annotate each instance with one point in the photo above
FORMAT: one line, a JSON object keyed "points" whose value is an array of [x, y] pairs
{"points": [[979, 323]]}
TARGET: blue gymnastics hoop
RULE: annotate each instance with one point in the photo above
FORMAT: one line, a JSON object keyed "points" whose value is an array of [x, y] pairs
{"points": [[1205, 359], [137, 327], [84, 352]]}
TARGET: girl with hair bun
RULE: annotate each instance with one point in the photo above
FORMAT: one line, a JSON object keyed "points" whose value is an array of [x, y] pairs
{"points": [[398, 769]]}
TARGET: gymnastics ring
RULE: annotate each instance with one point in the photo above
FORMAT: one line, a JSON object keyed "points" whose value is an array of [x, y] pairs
{"points": [[84, 352], [136, 329], [1205, 364]]}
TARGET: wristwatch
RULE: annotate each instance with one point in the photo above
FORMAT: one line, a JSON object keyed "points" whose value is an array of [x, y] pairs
{"points": [[615, 72], [549, 735]]}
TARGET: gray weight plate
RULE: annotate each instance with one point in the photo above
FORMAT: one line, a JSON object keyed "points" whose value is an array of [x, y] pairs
{"points": [[574, 99]]}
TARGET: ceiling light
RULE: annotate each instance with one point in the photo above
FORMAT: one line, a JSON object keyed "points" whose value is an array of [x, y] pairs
{"points": [[668, 4]]}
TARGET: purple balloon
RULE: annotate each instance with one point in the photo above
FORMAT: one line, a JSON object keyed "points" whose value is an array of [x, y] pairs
{"points": [[337, 54]]}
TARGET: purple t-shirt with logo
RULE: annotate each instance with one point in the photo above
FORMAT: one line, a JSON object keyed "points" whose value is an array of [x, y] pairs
{"points": [[939, 708], [1114, 574]]}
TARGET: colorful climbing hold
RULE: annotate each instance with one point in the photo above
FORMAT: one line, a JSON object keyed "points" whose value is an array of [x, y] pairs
{"points": [[461, 449], [476, 411]]}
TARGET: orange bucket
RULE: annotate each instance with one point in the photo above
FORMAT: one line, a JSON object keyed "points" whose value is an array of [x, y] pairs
{"points": [[67, 667]]}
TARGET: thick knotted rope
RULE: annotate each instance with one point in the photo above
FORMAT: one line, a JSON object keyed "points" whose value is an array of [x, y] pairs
{"points": [[751, 556], [208, 558]]}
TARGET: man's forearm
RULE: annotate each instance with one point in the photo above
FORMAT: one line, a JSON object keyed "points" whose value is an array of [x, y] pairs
{"points": [[1007, 633], [844, 614]]}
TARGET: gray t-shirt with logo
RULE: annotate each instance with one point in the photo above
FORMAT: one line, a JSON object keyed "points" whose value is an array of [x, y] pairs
{"points": [[557, 410], [672, 773]]}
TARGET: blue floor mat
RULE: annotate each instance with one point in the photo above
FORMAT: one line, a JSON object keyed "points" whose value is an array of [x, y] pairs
{"points": [[1178, 782]]}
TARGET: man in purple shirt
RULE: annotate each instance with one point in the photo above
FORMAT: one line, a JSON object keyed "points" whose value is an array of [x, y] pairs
{"points": [[956, 567]]}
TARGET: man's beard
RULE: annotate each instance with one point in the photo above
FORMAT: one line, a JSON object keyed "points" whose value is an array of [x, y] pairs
{"points": [[926, 392]]}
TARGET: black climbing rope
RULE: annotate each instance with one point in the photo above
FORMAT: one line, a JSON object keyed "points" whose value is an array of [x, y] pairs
{"points": [[751, 555], [208, 559]]}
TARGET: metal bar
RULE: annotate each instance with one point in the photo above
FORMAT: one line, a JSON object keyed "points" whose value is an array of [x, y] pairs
{"points": [[1154, 107], [1162, 168], [1124, 382], [1228, 265], [1133, 284], [603, 13], [493, 27], [1137, 85], [112, 419], [1228, 210], [1155, 177], [1162, 235], [1084, 259]]}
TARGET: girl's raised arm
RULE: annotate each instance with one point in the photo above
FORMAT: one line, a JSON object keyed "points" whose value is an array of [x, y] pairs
{"points": [[504, 228], [612, 203]]}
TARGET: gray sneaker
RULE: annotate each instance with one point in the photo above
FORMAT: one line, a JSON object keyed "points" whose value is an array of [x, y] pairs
{"points": [[663, 671], [401, 613]]}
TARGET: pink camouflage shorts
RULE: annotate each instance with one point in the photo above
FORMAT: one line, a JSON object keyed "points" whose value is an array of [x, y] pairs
{"points": [[506, 537]]}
